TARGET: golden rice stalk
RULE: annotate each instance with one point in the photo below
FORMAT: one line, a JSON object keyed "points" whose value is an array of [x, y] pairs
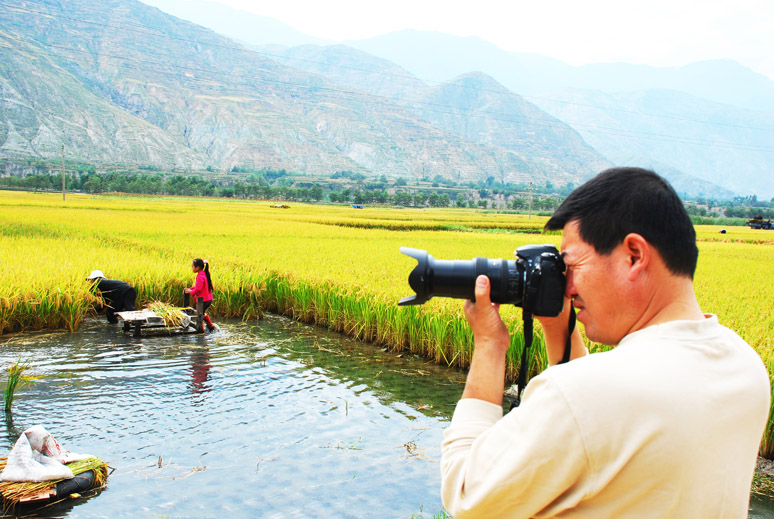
{"points": [[173, 316]]}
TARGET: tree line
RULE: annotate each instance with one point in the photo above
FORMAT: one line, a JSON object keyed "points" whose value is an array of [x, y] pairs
{"points": [[282, 185], [271, 186]]}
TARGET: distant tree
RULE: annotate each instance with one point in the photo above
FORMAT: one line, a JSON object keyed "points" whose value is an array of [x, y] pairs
{"points": [[567, 189], [381, 197], [519, 202], [404, 199]]}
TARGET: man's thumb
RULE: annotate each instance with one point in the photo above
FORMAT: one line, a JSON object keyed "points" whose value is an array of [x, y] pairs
{"points": [[482, 287]]}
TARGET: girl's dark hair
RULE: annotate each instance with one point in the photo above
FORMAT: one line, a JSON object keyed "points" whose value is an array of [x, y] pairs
{"points": [[206, 267], [620, 201]]}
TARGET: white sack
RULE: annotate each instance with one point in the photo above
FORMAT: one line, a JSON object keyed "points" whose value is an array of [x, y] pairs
{"points": [[37, 456]]}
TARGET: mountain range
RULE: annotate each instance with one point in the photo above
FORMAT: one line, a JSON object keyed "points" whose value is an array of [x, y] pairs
{"points": [[122, 82], [668, 130]]}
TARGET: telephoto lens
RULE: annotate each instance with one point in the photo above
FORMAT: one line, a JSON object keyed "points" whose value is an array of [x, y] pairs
{"points": [[534, 281], [457, 278]]}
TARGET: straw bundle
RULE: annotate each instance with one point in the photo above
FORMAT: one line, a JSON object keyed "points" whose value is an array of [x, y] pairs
{"points": [[763, 484], [173, 316], [13, 493]]}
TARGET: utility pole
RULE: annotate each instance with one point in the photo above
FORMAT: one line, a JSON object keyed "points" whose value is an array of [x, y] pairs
{"points": [[530, 202], [63, 175]]}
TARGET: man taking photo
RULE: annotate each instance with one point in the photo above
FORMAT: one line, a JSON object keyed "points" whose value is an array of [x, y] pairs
{"points": [[667, 424]]}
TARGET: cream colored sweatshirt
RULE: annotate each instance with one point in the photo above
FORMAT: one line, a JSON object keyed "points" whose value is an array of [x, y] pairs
{"points": [[666, 425]]}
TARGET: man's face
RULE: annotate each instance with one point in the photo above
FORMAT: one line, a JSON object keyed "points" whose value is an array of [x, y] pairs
{"points": [[598, 286]]}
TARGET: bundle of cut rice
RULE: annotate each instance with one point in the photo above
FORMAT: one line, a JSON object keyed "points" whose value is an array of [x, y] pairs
{"points": [[173, 316], [14, 493]]}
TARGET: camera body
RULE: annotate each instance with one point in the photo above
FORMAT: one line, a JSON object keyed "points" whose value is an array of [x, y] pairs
{"points": [[534, 281]]}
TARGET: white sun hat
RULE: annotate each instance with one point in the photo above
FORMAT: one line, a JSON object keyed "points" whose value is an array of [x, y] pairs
{"points": [[96, 274]]}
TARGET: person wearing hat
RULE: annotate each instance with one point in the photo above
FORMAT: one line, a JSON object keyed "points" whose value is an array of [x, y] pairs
{"points": [[118, 295]]}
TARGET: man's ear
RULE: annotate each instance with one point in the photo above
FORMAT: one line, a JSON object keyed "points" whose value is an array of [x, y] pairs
{"points": [[639, 254]]}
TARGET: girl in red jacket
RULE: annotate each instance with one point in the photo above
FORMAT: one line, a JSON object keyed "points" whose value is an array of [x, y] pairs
{"points": [[202, 288]]}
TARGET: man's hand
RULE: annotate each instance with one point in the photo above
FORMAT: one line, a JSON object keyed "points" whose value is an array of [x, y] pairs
{"points": [[486, 377], [555, 330], [483, 316]]}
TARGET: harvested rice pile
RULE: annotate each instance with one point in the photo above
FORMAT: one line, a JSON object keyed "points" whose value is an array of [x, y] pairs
{"points": [[13, 493], [173, 316]]}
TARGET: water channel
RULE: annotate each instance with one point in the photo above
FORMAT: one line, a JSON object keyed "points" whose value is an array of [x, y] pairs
{"points": [[270, 418]]}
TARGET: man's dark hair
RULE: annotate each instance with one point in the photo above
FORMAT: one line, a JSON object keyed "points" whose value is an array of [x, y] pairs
{"points": [[619, 201]]}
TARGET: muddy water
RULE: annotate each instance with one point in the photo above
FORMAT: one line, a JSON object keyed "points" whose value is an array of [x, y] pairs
{"points": [[761, 508], [270, 419], [267, 419]]}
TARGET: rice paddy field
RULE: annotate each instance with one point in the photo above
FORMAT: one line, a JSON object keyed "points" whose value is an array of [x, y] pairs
{"points": [[335, 266]]}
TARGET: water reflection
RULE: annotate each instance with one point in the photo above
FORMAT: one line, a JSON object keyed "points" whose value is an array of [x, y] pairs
{"points": [[200, 370], [12, 432], [761, 508]]}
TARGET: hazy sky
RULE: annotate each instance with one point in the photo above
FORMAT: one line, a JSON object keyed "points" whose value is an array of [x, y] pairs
{"points": [[653, 32]]}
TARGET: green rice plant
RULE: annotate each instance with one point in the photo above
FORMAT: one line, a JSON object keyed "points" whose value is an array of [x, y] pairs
{"points": [[17, 379], [440, 515], [767, 443]]}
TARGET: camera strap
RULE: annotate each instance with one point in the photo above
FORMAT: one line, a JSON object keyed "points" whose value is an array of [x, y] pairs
{"points": [[568, 344], [521, 381]]}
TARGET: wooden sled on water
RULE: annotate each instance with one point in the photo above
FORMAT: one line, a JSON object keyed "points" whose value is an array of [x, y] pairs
{"points": [[148, 323]]}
